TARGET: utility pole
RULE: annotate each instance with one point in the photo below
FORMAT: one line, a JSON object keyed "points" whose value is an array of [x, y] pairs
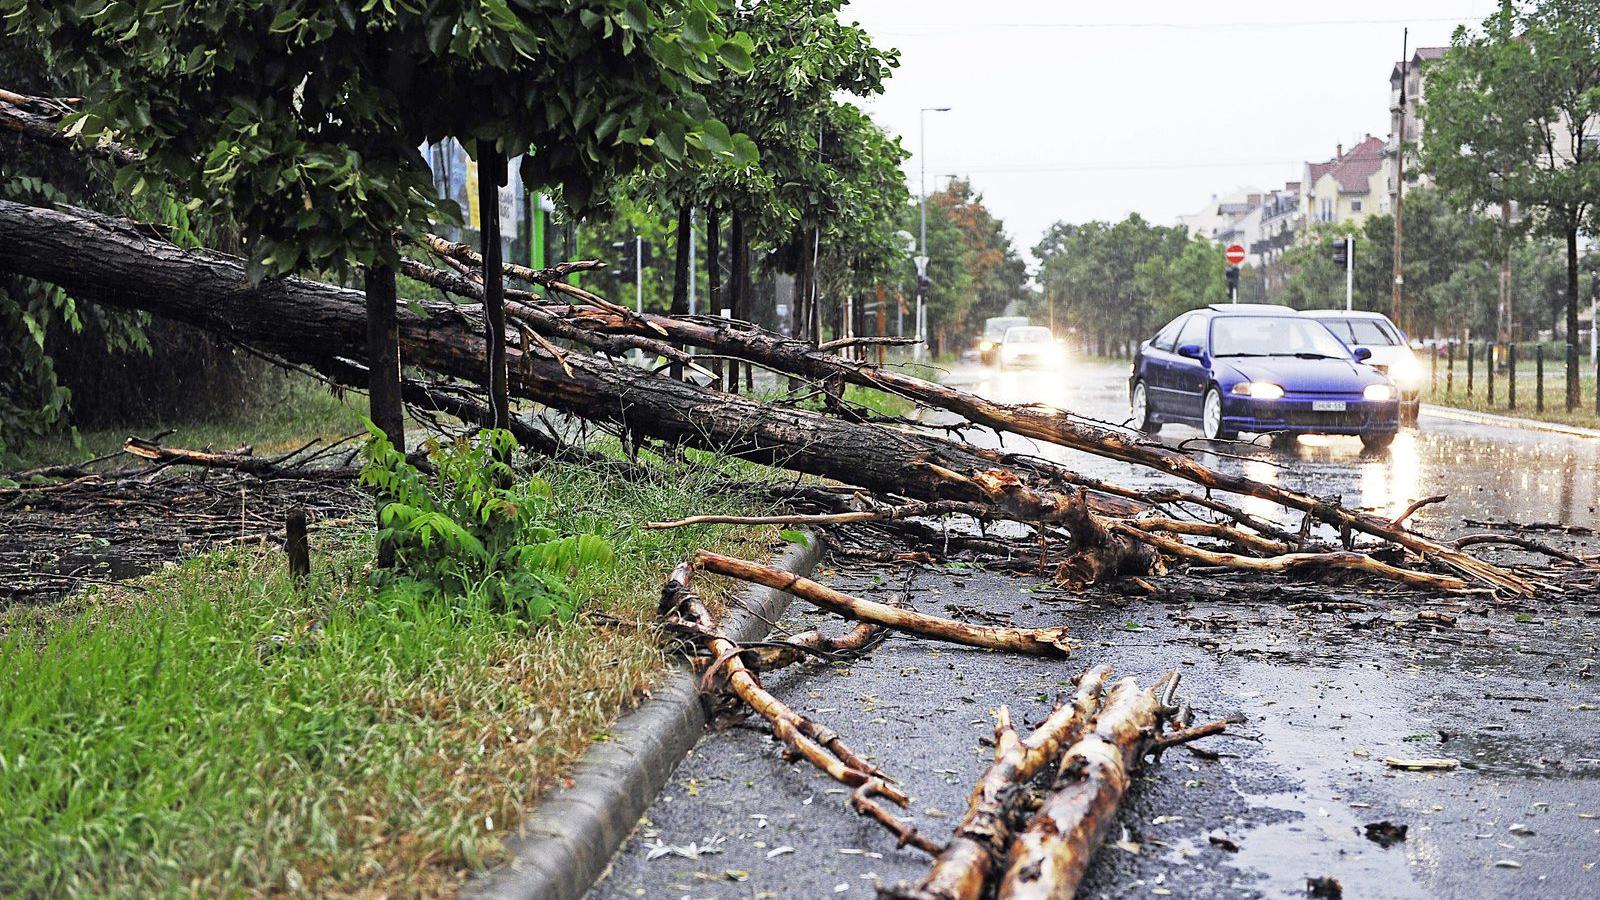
{"points": [[692, 257], [920, 321], [1399, 186], [638, 273]]}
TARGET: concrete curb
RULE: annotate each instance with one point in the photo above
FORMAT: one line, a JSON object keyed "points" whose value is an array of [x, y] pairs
{"points": [[567, 842], [1483, 418]]}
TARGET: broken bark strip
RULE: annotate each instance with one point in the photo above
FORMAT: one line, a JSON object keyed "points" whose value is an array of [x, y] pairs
{"points": [[1037, 641], [817, 744], [1051, 854], [1216, 530], [122, 265], [1290, 562], [978, 848]]}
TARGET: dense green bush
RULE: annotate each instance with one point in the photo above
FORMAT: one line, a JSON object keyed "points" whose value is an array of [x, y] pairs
{"points": [[478, 527]]}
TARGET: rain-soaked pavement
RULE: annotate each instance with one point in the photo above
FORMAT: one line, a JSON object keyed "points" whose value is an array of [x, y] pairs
{"points": [[1326, 695]]}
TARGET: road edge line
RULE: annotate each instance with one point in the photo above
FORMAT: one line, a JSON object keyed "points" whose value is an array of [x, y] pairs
{"points": [[566, 842]]}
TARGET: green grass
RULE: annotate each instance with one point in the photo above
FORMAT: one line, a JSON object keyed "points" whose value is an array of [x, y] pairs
{"points": [[288, 411], [1555, 393], [197, 732]]}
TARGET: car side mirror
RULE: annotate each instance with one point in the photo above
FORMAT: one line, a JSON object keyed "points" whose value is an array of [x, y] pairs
{"points": [[1190, 350], [1363, 354]]}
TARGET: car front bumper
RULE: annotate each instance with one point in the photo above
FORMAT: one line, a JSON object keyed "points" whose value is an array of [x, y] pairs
{"points": [[1298, 414]]}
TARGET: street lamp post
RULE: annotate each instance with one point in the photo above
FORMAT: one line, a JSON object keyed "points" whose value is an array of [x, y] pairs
{"points": [[920, 323]]}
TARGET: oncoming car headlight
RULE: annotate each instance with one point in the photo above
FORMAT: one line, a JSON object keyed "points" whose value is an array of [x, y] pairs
{"points": [[1407, 372], [1260, 390], [1378, 392], [986, 346]]}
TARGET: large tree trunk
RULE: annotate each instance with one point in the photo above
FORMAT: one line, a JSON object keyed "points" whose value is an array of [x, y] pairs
{"points": [[1574, 391], [714, 298], [491, 169], [740, 249], [684, 258], [384, 403], [115, 263]]}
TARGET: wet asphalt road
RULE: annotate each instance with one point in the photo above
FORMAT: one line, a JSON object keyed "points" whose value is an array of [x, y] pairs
{"points": [[1510, 691]]}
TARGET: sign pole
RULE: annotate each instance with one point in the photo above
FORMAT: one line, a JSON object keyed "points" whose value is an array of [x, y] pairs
{"points": [[1350, 274]]}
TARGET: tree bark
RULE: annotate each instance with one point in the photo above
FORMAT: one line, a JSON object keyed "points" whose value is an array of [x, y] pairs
{"points": [[1574, 388], [1037, 641], [118, 264], [683, 259], [491, 170], [740, 248], [385, 405], [714, 298]]}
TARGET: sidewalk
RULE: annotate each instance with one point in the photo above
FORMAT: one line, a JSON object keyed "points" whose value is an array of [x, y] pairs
{"points": [[1486, 418]]}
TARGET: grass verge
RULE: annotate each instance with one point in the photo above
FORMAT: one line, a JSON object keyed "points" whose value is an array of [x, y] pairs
{"points": [[212, 729], [1555, 395], [289, 410]]}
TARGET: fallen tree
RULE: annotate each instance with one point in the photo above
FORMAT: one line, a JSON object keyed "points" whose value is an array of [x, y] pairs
{"points": [[122, 264]]}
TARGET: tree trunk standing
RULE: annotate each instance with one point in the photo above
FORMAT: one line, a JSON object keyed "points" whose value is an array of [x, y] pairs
{"points": [[1573, 392], [802, 288], [741, 281], [714, 299], [384, 402], [491, 173], [680, 273]]}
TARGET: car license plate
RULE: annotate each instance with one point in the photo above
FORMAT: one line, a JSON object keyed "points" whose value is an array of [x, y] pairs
{"points": [[1327, 406]]}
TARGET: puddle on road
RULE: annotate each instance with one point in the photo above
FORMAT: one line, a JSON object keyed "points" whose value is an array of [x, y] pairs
{"points": [[1301, 715]]}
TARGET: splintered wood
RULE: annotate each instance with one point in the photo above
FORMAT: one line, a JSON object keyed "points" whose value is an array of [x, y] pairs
{"points": [[1090, 744]]}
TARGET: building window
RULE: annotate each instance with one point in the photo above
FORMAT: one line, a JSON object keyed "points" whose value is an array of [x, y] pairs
{"points": [[1355, 206]]}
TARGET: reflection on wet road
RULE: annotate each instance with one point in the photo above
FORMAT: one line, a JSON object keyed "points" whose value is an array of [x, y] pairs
{"points": [[1488, 472]]}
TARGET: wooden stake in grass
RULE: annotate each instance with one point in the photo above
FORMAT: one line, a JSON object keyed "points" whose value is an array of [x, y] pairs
{"points": [[297, 544], [1037, 641]]}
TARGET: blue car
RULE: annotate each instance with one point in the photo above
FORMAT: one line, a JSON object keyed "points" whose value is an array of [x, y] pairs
{"points": [[1259, 368]]}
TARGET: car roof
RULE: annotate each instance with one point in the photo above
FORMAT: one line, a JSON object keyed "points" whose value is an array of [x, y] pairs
{"points": [[1346, 313], [1241, 309]]}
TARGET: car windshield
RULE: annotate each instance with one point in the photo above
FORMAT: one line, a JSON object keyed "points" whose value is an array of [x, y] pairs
{"points": [[995, 329], [1028, 334], [1274, 336], [1362, 332]]}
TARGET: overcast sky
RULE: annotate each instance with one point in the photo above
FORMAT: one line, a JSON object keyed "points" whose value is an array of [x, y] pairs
{"points": [[1078, 111]]}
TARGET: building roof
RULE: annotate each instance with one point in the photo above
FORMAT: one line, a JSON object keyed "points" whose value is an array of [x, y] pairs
{"points": [[1354, 169]]}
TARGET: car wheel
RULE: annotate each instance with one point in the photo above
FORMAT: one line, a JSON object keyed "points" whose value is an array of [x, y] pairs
{"points": [[1141, 411], [1211, 418], [1377, 440]]}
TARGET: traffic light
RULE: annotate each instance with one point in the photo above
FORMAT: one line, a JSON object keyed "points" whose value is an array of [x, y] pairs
{"points": [[1232, 274], [1341, 252]]}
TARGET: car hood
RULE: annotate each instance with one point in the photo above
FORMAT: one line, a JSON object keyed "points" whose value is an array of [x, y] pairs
{"points": [[1303, 375]]}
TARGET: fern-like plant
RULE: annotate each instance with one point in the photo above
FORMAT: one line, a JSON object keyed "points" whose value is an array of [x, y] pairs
{"points": [[478, 527]]}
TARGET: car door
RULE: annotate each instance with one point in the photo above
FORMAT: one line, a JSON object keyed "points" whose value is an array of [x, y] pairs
{"points": [[1188, 377], [1158, 364]]}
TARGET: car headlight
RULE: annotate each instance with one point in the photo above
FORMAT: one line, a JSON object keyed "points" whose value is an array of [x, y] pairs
{"points": [[1378, 392], [1407, 372], [1260, 390], [986, 346]]}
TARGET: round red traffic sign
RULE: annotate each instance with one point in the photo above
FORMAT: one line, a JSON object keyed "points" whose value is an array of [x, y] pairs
{"points": [[1234, 254]]}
